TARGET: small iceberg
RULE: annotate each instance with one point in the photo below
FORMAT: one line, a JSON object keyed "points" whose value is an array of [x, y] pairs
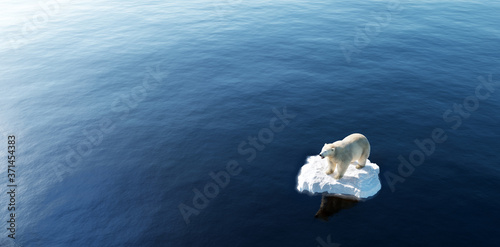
{"points": [[359, 183]]}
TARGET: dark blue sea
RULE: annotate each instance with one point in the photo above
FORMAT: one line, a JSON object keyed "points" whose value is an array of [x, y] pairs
{"points": [[185, 123]]}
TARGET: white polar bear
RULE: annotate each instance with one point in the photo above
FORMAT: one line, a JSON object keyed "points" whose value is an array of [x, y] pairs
{"points": [[342, 153]]}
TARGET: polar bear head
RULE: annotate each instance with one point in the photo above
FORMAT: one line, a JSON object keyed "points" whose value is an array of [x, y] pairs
{"points": [[327, 152]]}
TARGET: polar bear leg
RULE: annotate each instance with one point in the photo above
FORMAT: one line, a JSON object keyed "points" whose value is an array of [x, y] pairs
{"points": [[342, 168], [331, 166], [362, 162], [362, 159]]}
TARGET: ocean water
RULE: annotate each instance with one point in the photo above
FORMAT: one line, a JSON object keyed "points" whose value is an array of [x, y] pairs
{"points": [[124, 111]]}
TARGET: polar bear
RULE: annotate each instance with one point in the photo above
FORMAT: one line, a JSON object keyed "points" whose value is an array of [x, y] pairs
{"points": [[341, 153]]}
